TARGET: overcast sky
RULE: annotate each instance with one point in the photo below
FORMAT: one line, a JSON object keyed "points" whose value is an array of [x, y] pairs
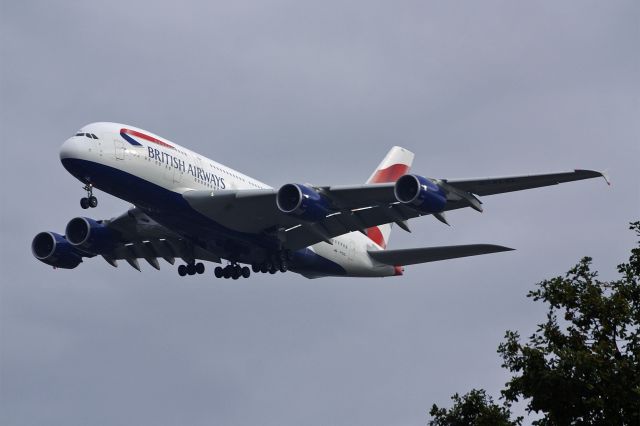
{"points": [[290, 91]]}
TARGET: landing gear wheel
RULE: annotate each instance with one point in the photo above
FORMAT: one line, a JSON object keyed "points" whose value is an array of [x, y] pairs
{"points": [[284, 267], [264, 268], [191, 269], [255, 268], [273, 269], [246, 273], [218, 272], [200, 268], [182, 270], [226, 272], [89, 200]]}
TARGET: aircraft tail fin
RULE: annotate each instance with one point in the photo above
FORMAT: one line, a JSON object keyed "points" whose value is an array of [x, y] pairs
{"points": [[414, 256], [396, 163]]}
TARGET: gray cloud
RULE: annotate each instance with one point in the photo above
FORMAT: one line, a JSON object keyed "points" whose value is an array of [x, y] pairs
{"points": [[285, 92]]}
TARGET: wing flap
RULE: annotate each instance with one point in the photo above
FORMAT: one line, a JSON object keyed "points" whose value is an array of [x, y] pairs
{"points": [[165, 249], [348, 221], [139, 237], [414, 256]]}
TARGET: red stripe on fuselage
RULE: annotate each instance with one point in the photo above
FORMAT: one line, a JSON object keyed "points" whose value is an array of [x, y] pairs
{"points": [[390, 174], [145, 137]]}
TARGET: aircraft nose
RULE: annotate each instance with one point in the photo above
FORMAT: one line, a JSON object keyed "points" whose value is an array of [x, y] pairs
{"points": [[69, 149]]}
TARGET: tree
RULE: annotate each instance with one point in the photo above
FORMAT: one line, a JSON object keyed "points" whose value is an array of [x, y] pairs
{"points": [[474, 408], [582, 365]]}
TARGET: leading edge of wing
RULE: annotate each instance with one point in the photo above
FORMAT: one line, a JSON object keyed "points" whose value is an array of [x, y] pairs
{"points": [[414, 256], [502, 184]]}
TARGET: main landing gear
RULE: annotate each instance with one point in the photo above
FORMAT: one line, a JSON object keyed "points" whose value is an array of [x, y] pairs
{"points": [[191, 269], [278, 262], [89, 200], [234, 271]]}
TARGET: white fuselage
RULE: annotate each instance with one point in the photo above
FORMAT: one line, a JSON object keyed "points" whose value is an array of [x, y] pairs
{"points": [[178, 169]]}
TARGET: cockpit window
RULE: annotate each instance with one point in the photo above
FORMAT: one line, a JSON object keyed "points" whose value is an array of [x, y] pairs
{"points": [[87, 135]]}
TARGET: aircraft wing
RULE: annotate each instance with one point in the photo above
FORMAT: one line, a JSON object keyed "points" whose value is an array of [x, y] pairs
{"points": [[353, 207], [139, 237], [414, 256], [499, 185], [255, 210]]}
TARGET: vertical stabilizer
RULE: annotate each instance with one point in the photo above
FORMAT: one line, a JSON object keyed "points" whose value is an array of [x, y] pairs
{"points": [[396, 163]]}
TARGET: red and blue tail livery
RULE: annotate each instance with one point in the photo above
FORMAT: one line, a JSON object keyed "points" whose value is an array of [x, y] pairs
{"points": [[192, 210]]}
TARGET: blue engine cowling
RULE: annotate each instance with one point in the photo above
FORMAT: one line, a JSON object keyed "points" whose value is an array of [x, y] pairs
{"points": [[420, 193], [302, 202], [89, 235], [54, 249]]}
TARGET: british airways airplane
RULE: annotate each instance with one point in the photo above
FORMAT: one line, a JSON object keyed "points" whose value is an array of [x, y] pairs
{"points": [[195, 209]]}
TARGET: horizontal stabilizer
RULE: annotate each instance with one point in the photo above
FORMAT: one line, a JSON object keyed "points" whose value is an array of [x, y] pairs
{"points": [[413, 256]]}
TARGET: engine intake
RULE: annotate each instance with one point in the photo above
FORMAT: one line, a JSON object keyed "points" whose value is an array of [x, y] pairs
{"points": [[90, 236], [420, 193], [54, 249], [303, 202]]}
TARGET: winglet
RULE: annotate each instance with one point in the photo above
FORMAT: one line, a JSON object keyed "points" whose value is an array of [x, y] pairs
{"points": [[594, 173]]}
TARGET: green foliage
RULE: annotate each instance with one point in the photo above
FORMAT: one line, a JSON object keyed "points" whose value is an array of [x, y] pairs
{"points": [[581, 366], [474, 408]]}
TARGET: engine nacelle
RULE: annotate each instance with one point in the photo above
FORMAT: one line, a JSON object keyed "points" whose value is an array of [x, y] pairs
{"points": [[303, 202], [420, 193], [90, 236], [54, 249]]}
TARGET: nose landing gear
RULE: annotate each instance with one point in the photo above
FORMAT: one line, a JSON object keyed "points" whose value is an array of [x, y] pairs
{"points": [[89, 201]]}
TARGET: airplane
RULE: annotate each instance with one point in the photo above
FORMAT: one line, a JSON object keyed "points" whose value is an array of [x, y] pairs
{"points": [[189, 207]]}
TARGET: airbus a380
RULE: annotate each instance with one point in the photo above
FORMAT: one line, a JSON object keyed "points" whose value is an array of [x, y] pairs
{"points": [[192, 208]]}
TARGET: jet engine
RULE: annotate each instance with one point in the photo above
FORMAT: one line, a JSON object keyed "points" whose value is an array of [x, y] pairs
{"points": [[89, 235], [303, 202], [420, 193], [54, 249]]}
